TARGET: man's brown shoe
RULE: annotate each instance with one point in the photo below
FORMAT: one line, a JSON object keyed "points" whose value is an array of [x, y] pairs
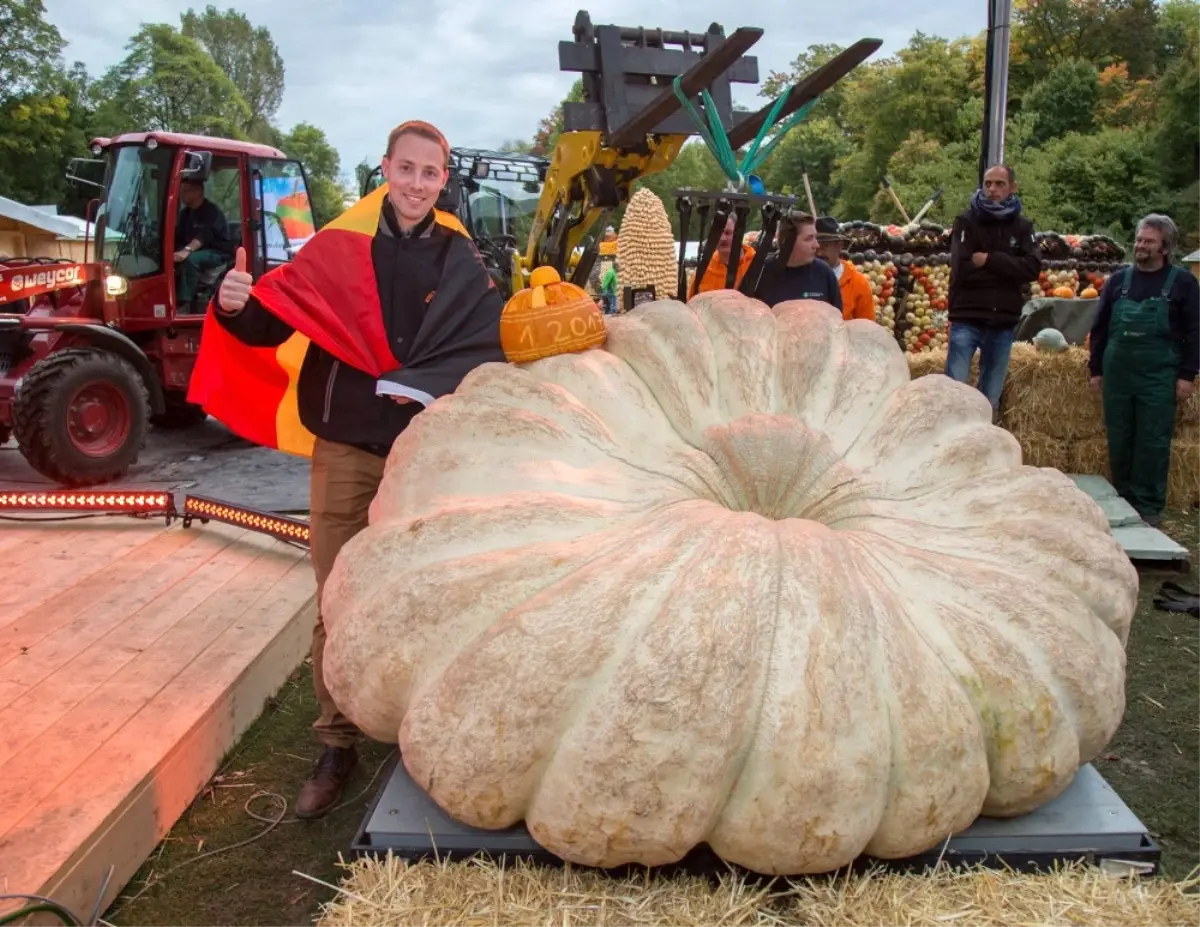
{"points": [[324, 786]]}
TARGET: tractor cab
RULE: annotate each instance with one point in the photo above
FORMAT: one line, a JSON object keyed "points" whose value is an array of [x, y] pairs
{"points": [[159, 187], [494, 194], [105, 348]]}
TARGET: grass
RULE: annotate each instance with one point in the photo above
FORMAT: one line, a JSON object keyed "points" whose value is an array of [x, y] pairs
{"points": [[1152, 763], [254, 884]]}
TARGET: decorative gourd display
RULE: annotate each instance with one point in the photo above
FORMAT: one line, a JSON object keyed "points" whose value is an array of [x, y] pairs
{"points": [[646, 254], [730, 579], [551, 316]]}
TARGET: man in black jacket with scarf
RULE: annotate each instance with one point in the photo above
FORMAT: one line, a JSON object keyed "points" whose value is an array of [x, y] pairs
{"points": [[993, 256]]}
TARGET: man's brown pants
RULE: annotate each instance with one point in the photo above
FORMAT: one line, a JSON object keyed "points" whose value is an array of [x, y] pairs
{"points": [[344, 481]]}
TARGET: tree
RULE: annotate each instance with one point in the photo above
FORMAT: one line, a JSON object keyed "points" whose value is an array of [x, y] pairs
{"points": [[551, 127], [1065, 100], [1103, 182], [832, 100], [29, 49], [247, 55], [816, 145], [362, 171], [308, 145], [921, 89], [1178, 24], [1178, 101], [168, 82], [43, 112]]}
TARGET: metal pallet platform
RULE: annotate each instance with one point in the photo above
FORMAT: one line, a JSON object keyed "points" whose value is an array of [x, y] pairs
{"points": [[1089, 822], [1147, 547]]}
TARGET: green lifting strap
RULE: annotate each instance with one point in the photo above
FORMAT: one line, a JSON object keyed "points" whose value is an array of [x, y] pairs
{"points": [[717, 139]]}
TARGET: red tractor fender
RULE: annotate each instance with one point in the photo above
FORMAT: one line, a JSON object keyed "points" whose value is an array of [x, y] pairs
{"points": [[117, 343]]}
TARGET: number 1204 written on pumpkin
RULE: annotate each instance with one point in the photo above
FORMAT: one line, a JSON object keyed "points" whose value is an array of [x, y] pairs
{"points": [[556, 331]]}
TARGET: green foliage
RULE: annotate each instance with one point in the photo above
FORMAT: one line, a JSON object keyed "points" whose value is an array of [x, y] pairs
{"points": [[168, 82], [1103, 182], [217, 75], [246, 54], [29, 48], [1065, 100], [308, 145]]}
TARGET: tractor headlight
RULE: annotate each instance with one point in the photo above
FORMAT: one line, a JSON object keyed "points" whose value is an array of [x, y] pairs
{"points": [[115, 285]]}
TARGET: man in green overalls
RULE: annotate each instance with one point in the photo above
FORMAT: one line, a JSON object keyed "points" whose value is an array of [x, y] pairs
{"points": [[1145, 352]]}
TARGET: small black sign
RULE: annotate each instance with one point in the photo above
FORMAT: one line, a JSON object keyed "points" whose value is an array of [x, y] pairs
{"points": [[636, 295]]}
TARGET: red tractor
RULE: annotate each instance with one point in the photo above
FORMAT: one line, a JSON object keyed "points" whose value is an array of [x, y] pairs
{"points": [[92, 354]]}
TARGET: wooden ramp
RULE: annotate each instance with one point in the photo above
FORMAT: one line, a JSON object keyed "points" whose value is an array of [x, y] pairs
{"points": [[132, 657]]}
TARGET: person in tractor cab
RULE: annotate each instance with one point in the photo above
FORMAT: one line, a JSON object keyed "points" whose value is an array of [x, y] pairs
{"points": [[800, 275], [1145, 355], [993, 255], [718, 267], [201, 240], [858, 302], [423, 266]]}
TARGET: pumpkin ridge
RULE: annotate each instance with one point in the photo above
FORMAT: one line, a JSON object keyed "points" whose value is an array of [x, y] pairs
{"points": [[894, 835], [696, 547], [962, 624], [593, 565]]}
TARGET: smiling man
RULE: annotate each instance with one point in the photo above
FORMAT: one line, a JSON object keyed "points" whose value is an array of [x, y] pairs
{"points": [[401, 278], [1145, 355]]}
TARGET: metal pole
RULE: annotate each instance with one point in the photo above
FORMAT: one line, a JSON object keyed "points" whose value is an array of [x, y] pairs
{"points": [[998, 95]]}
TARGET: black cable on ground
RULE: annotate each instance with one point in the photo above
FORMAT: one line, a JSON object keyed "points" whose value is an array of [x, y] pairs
{"points": [[271, 823], [43, 905]]}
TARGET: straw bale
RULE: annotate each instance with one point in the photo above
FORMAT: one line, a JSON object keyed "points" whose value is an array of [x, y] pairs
{"points": [[1187, 413], [927, 362], [1049, 393], [1183, 483], [1041, 450], [476, 892]]}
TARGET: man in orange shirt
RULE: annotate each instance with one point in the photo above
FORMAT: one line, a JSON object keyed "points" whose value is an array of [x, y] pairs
{"points": [[858, 302], [718, 267]]}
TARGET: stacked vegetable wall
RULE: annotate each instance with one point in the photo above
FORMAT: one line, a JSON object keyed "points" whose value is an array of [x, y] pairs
{"points": [[910, 274]]}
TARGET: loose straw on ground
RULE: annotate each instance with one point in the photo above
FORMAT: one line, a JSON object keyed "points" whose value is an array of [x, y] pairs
{"points": [[477, 892]]}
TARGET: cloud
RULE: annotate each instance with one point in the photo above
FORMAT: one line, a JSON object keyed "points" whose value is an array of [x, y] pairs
{"points": [[483, 71]]}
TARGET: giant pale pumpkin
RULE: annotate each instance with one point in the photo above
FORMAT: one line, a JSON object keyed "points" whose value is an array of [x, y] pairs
{"points": [[732, 578]]}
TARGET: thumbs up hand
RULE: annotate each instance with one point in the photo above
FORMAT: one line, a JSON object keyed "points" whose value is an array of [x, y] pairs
{"points": [[235, 288]]}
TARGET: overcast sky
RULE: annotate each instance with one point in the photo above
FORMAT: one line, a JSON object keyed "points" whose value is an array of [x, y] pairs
{"points": [[482, 70]]}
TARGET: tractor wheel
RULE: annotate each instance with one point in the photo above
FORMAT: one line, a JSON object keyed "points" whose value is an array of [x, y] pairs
{"points": [[80, 416], [179, 413]]}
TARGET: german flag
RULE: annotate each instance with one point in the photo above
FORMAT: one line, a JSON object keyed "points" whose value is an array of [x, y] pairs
{"points": [[329, 296]]}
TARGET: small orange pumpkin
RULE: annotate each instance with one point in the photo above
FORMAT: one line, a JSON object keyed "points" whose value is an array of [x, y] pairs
{"points": [[549, 317], [1089, 293], [1064, 292]]}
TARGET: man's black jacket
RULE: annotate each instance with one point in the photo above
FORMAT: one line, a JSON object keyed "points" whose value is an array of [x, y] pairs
{"points": [[994, 294], [338, 402]]}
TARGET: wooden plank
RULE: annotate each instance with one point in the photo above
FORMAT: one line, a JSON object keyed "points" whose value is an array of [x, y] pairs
{"points": [[125, 677], [77, 555], [117, 809], [82, 612], [85, 655]]}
